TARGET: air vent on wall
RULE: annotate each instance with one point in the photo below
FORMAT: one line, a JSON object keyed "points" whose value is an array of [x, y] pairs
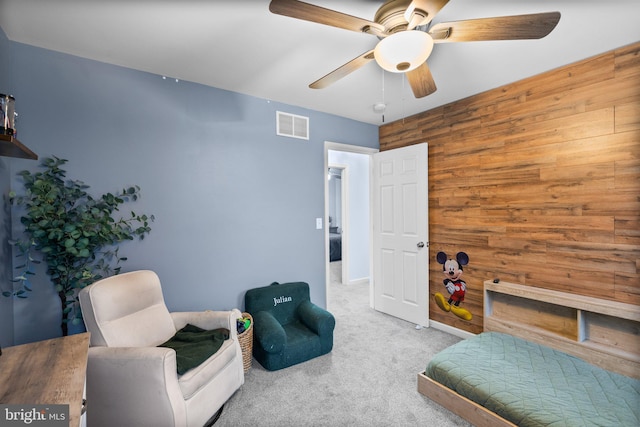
{"points": [[292, 125]]}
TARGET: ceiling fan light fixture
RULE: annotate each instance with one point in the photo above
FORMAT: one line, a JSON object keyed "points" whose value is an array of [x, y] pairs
{"points": [[404, 51]]}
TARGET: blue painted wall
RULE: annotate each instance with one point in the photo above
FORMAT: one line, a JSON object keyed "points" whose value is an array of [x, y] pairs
{"points": [[235, 205]]}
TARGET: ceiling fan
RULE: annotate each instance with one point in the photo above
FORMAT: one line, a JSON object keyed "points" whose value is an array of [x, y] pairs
{"points": [[404, 44]]}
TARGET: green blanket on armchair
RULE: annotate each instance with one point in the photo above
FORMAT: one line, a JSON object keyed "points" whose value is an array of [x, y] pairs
{"points": [[194, 345]]}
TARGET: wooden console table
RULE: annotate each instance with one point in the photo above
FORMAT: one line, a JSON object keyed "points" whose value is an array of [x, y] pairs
{"points": [[46, 372]]}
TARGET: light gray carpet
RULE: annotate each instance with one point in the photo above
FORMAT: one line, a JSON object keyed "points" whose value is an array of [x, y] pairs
{"points": [[369, 379]]}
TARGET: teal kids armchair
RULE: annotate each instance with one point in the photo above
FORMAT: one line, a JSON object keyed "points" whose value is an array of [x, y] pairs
{"points": [[288, 327]]}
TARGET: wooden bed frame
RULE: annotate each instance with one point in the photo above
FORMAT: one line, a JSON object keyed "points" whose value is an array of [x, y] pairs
{"points": [[604, 333]]}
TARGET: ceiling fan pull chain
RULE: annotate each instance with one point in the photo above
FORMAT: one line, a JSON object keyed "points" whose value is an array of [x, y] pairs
{"points": [[383, 86], [383, 99], [403, 90]]}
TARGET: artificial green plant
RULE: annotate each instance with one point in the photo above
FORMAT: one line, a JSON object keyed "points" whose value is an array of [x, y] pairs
{"points": [[76, 234]]}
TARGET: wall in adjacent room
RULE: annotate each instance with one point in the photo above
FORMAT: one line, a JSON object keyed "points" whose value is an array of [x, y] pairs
{"points": [[538, 182], [235, 205]]}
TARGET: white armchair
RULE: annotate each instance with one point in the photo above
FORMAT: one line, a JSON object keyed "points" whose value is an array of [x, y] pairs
{"points": [[131, 381]]}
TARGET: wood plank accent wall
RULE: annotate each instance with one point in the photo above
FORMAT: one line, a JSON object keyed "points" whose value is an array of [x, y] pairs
{"points": [[538, 182]]}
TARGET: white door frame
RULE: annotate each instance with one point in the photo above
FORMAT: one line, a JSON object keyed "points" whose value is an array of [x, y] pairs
{"points": [[336, 146]]}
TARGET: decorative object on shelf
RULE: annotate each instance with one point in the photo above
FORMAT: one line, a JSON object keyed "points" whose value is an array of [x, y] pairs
{"points": [[9, 144], [76, 234], [8, 114]]}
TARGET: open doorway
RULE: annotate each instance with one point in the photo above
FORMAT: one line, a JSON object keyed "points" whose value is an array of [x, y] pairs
{"points": [[352, 223]]}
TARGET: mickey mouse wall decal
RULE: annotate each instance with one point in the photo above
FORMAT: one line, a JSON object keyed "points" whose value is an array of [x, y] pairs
{"points": [[452, 269]]}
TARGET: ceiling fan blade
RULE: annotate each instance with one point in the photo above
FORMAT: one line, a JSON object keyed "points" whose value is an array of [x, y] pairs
{"points": [[342, 71], [421, 12], [421, 81], [517, 27], [321, 15]]}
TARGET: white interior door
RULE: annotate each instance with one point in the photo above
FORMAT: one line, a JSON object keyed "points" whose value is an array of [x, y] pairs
{"points": [[400, 233]]}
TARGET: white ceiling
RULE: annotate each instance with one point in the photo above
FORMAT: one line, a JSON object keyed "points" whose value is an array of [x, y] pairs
{"points": [[238, 45]]}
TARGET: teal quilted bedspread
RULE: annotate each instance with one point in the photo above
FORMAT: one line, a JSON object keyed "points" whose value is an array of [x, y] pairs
{"points": [[534, 385]]}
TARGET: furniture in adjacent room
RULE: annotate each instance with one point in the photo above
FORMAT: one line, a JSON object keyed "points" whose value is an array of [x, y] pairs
{"points": [[50, 372], [335, 246], [133, 381], [545, 358], [289, 328]]}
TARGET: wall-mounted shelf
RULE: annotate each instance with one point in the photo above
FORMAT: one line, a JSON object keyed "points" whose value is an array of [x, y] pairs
{"points": [[11, 147]]}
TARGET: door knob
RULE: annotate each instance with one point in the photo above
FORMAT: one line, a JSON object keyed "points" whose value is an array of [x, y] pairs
{"points": [[421, 244]]}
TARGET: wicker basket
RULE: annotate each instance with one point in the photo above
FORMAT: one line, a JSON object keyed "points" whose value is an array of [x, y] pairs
{"points": [[246, 344]]}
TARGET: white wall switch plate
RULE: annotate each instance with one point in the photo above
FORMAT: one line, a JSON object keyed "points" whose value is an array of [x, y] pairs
{"points": [[318, 223]]}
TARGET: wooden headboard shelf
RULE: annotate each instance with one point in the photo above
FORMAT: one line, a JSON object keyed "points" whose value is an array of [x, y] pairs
{"points": [[605, 333]]}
